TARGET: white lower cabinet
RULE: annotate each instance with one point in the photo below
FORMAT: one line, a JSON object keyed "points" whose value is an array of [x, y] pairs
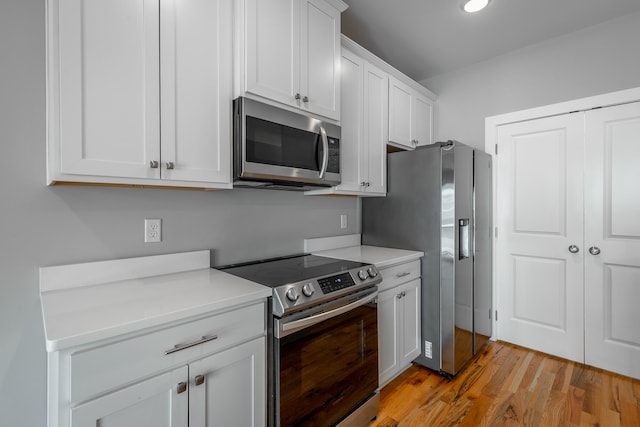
{"points": [[398, 320], [228, 389], [153, 402], [209, 372]]}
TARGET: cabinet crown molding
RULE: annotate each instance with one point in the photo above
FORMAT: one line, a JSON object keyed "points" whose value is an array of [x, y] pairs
{"points": [[385, 66]]}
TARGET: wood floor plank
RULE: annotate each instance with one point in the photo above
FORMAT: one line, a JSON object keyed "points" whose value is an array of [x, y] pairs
{"points": [[511, 386]]}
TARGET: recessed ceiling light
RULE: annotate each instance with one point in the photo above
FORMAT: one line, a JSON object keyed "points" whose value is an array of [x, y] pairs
{"points": [[475, 5]]}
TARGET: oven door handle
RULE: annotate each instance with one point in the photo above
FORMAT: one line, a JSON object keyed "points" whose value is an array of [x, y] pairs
{"points": [[285, 329]]}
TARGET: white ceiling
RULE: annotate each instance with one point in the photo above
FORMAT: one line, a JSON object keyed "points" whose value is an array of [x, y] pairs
{"points": [[424, 38]]}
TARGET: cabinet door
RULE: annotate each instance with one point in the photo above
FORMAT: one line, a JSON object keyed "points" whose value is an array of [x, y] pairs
{"points": [[106, 57], [320, 58], [351, 141], [376, 113], [196, 69], [422, 121], [229, 388], [388, 338], [272, 47], [400, 113], [612, 271], [154, 402], [410, 322]]}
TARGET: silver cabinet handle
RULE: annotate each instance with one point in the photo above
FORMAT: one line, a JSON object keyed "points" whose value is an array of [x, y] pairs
{"points": [[325, 154], [363, 184], [153, 164], [297, 96], [399, 275], [399, 295], [404, 294], [368, 184], [199, 379], [179, 347], [171, 165], [182, 387], [574, 249], [594, 250], [305, 99]]}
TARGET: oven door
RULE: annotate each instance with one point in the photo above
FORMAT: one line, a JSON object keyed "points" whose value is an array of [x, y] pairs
{"points": [[326, 365]]}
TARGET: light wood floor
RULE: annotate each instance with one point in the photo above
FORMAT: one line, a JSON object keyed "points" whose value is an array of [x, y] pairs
{"points": [[511, 386]]}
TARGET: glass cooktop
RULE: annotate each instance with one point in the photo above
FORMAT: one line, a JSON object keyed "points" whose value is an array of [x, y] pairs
{"points": [[275, 272]]}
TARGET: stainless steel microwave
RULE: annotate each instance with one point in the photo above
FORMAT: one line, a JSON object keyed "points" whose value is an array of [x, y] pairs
{"points": [[279, 149]]}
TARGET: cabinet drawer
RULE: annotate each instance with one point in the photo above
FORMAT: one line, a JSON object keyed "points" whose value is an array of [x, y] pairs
{"points": [[105, 368], [398, 274]]}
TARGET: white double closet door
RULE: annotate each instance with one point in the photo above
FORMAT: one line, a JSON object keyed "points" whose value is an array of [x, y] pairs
{"points": [[568, 245]]}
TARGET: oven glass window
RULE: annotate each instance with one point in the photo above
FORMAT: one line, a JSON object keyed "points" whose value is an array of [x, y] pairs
{"points": [[328, 369], [275, 144]]}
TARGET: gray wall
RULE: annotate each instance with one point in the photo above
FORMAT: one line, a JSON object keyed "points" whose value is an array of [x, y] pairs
{"points": [[600, 59], [44, 226]]}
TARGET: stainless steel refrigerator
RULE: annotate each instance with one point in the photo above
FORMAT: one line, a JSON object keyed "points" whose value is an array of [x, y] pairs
{"points": [[439, 202]]}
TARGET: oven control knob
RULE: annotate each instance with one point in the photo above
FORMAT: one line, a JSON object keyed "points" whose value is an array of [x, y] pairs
{"points": [[307, 289], [293, 295], [363, 275], [372, 272]]}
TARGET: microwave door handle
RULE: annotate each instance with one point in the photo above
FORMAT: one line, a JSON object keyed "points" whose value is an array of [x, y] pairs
{"points": [[325, 152]]}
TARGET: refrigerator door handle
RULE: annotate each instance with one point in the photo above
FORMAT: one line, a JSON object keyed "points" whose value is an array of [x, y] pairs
{"points": [[463, 238]]}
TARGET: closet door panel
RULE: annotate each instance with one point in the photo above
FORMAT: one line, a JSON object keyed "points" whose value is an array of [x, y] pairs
{"points": [[539, 217], [612, 236]]}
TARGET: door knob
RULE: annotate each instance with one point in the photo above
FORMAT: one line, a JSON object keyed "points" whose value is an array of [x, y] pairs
{"points": [[594, 250], [574, 249]]}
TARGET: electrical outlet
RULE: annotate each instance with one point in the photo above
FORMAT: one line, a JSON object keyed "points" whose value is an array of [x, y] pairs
{"points": [[152, 230], [343, 221], [427, 350]]}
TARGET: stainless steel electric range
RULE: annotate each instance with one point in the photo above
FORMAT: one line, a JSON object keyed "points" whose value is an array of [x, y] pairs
{"points": [[323, 339]]}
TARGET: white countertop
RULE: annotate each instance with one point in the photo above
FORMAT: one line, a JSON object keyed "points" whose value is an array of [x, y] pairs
{"points": [[82, 314], [378, 256]]}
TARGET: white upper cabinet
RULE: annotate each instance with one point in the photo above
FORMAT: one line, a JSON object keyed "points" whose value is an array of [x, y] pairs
{"points": [[410, 116], [364, 109], [196, 77], [290, 53], [104, 116], [139, 92], [400, 113], [422, 124], [376, 113], [352, 139]]}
